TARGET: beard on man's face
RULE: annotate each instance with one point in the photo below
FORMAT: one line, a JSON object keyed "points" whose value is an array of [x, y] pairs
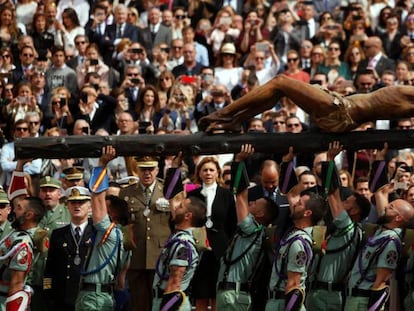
{"points": [[384, 219], [18, 222]]}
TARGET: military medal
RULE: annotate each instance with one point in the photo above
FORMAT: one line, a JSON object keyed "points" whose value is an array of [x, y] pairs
{"points": [[146, 211], [209, 223], [77, 260]]}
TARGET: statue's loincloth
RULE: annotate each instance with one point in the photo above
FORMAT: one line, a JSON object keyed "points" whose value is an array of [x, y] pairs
{"points": [[339, 120]]}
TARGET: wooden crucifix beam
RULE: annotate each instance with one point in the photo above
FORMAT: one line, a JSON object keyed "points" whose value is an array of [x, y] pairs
{"points": [[204, 143]]}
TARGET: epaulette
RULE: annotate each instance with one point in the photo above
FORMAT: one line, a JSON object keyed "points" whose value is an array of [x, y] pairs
{"points": [[201, 239], [128, 238], [41, 241], [318, 239]]}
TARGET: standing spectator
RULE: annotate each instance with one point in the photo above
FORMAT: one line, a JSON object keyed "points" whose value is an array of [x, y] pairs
{"points": [[309, 26], [317, 58], [8, 25], [375, 57], [305, 54], [7, 161], [279, 123], [81, 42], [293, 67], [176, 53], [81, 7], [150, 224], [220, 226], [42, 39], [391, 39], [148, 110], [60, 74], [156, 32], [221, 29], [132, 83], [333, 67], [120, 28], [190, 67], [217, 98], [353, 56], [22, 71], [365, 81], [258, 57], [34, 120], [6, 61], [252, 32], [227, 71], [25, 10], [179, 21], [201, 51], [92, 63], [68, 29]]}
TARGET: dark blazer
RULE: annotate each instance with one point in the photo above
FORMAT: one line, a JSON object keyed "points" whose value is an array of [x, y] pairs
{"points": [[60, 268], [73, 62], [183, 70], [163, 35], [383, 64], [392, 47], [224, 218], [130, 31]]}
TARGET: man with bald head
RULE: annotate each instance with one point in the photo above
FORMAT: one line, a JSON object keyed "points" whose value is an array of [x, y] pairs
{"points": [[375, 58], [368, 287]]}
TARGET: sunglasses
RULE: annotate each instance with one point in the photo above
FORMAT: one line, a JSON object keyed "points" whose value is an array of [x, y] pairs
{"points": [[179, 16], [278, 122], [293, 125], [133, 74], [5, 56], [55, 103], [80, 42], [292, 60], [28, 55], [22, 129], [166, 50], [177, 47], [3, 205], [333, 49], [34, 123], [259, 58]]}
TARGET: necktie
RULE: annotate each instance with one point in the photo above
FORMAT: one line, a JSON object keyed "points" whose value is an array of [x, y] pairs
{"points": [[307, 30], [153, 34], [77, 234], [119, 32], [147, 193]]}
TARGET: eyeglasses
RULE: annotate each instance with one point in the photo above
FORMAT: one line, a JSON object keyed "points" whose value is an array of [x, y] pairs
{"points": [[166, 50], [5, 56], [34, 123], [80, 42], [292, 59], [259, 58], [278, 122], [392, 21], [27, 55], [132, 14], [179, 16], [7, 89], [409, 82], [3, 205], [55, 103], [333, 49], [22, 129], [175, 47], [293, 125]]}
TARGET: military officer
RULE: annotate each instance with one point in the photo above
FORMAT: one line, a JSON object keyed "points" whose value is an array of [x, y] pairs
{"points": [[73, 176], [149, 216], [342, 243], [240, 259], [17, 254], [294, 254], [67, 252], [178, 260], [5, 209], [106, 255]]}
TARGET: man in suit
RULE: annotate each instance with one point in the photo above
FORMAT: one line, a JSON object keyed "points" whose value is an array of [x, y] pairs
{"points": [[121, 29], [375, 59], [22, 71], [81, 42], [5, 209], [308, 26], [67, 253], [269, 187], [190, 66], [149, 217], [156, 32]]}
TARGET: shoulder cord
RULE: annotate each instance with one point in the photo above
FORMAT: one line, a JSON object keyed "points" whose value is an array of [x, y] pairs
{"points": [[84, 271], [229, 252], [308, 249], [344, 246], [383, 242], [171, 245], [259, 259]]}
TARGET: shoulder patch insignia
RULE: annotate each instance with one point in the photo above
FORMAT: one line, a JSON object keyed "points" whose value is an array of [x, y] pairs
{"points": [[301, 258], [367, 255], [392, 257], [182, 254]]}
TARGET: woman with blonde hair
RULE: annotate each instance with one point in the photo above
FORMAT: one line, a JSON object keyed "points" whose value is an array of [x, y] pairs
{"points": [[220, 225], [179, 113]]}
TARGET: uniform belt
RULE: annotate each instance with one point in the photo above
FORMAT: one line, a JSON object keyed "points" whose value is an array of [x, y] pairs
{"points": [[336, 287], [356, 292], [276, 294], [91, 287], [243, 287]]}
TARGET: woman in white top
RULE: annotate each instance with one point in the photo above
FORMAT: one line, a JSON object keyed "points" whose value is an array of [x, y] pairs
{"points": [[68, 29], [221, 28], [227, 72], [25, 9]]}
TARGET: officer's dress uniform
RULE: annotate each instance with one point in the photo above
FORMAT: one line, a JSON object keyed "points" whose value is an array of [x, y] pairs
{"points": [[53, 219], [334, 266], [237, 266], [106, 258], [175, 253], [295, 255], [62, 272], [151, 230], [20, 260], [380, 251]]}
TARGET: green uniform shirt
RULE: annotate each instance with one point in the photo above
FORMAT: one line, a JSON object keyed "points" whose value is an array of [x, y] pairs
{"points": [[177, 254], [55, 218], [294, 255], [387, 257], [335, 266], [242, 269], [104, 257]]}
